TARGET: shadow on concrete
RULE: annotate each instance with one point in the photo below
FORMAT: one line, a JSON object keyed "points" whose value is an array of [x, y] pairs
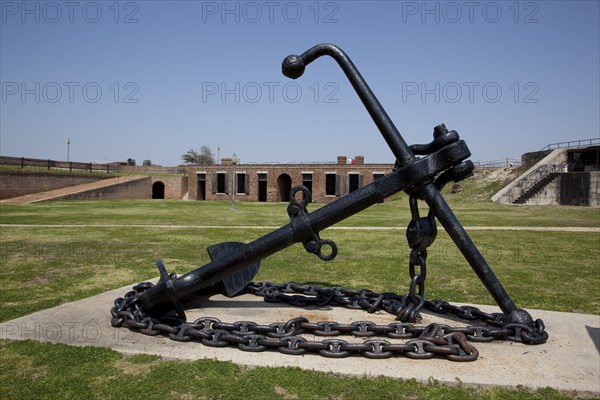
{"points": [[594, 335]]}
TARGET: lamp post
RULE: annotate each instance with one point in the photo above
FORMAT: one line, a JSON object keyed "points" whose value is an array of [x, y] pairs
{"points": [[68, 148], [234, 161]]}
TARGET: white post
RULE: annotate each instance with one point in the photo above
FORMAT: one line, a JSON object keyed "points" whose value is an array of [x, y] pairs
{"points": [[234, 161]]}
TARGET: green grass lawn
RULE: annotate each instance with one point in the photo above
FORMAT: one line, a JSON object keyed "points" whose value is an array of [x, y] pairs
{"points": [[55, 264], [472, 205], [41, 267], [31, 370], [393, 213]]}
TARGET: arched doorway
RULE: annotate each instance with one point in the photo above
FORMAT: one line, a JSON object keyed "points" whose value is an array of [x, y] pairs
{"points": [[284, 184], [158, 190]]}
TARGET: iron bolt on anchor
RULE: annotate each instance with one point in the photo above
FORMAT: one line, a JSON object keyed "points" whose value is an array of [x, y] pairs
{"points": [[421, 170]]}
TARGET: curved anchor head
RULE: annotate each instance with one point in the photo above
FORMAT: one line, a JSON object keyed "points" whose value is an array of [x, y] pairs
{"points": [[293, 66]]}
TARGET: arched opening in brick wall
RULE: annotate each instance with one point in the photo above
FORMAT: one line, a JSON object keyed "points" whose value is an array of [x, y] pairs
{"points": [[158, 190], [284, 184]]}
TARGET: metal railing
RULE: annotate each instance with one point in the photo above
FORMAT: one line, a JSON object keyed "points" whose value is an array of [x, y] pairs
{"points": [[572, 144], [41, 164], [507, 162]]}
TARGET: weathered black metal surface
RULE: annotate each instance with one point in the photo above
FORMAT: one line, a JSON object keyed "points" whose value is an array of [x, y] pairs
{"points": [[443, 160], [237, 281]]}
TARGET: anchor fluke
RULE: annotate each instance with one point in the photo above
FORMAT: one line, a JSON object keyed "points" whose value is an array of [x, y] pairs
{"points": [[237, 281]]}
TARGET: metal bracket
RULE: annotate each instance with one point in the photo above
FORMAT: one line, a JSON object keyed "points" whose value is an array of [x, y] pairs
{"points": [[303, 232]]}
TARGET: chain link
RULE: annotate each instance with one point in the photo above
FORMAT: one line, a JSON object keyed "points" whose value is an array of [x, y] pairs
{"points": [[420, 234], [423, 342]]}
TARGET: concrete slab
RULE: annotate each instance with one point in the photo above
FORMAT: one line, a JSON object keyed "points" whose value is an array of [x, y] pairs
{"points": [[570, 360]]}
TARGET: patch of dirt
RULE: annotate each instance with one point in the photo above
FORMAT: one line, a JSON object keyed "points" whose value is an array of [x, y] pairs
{"points": [[24, 366], [106, 276], [284, 393], [38, 281], [316, 317], [184, 396], [495, 174], [129, 368]]}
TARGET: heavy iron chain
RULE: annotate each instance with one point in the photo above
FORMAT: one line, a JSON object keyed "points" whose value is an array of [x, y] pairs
{"points": [[423, 341], [421, 233]]}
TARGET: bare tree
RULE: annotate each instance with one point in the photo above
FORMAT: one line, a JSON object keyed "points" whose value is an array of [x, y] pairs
{"points": [[204, 156]]}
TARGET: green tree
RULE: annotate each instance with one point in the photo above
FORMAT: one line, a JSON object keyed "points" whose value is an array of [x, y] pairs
{"points": [[204, 156]]}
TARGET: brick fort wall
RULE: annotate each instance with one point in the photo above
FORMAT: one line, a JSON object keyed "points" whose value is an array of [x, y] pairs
{"points": [[273, 182], [21, 183]]}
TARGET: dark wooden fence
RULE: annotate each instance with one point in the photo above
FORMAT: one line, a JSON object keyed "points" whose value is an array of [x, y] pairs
{"points": [[39, 164]]}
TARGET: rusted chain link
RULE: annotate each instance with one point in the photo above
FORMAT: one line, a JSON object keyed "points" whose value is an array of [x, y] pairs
{"points": [[496, 329], [422, 342]]}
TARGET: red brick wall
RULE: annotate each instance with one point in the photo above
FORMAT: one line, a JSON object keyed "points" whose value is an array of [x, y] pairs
{"points": [[138, 189], [175, 186], [20, 183], [273, 172]]}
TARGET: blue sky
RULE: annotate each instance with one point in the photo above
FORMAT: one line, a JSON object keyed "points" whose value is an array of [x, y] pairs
{"points": [[151, 79]]}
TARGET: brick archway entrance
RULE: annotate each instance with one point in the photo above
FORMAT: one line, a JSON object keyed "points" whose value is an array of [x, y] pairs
{"points": [[284, 184]]}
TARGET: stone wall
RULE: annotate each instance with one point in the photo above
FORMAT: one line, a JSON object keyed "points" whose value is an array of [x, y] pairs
{"points": [[574, 189], [580, 189], [528, 160], [549, 195], [570, 189], [595, 189]]}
